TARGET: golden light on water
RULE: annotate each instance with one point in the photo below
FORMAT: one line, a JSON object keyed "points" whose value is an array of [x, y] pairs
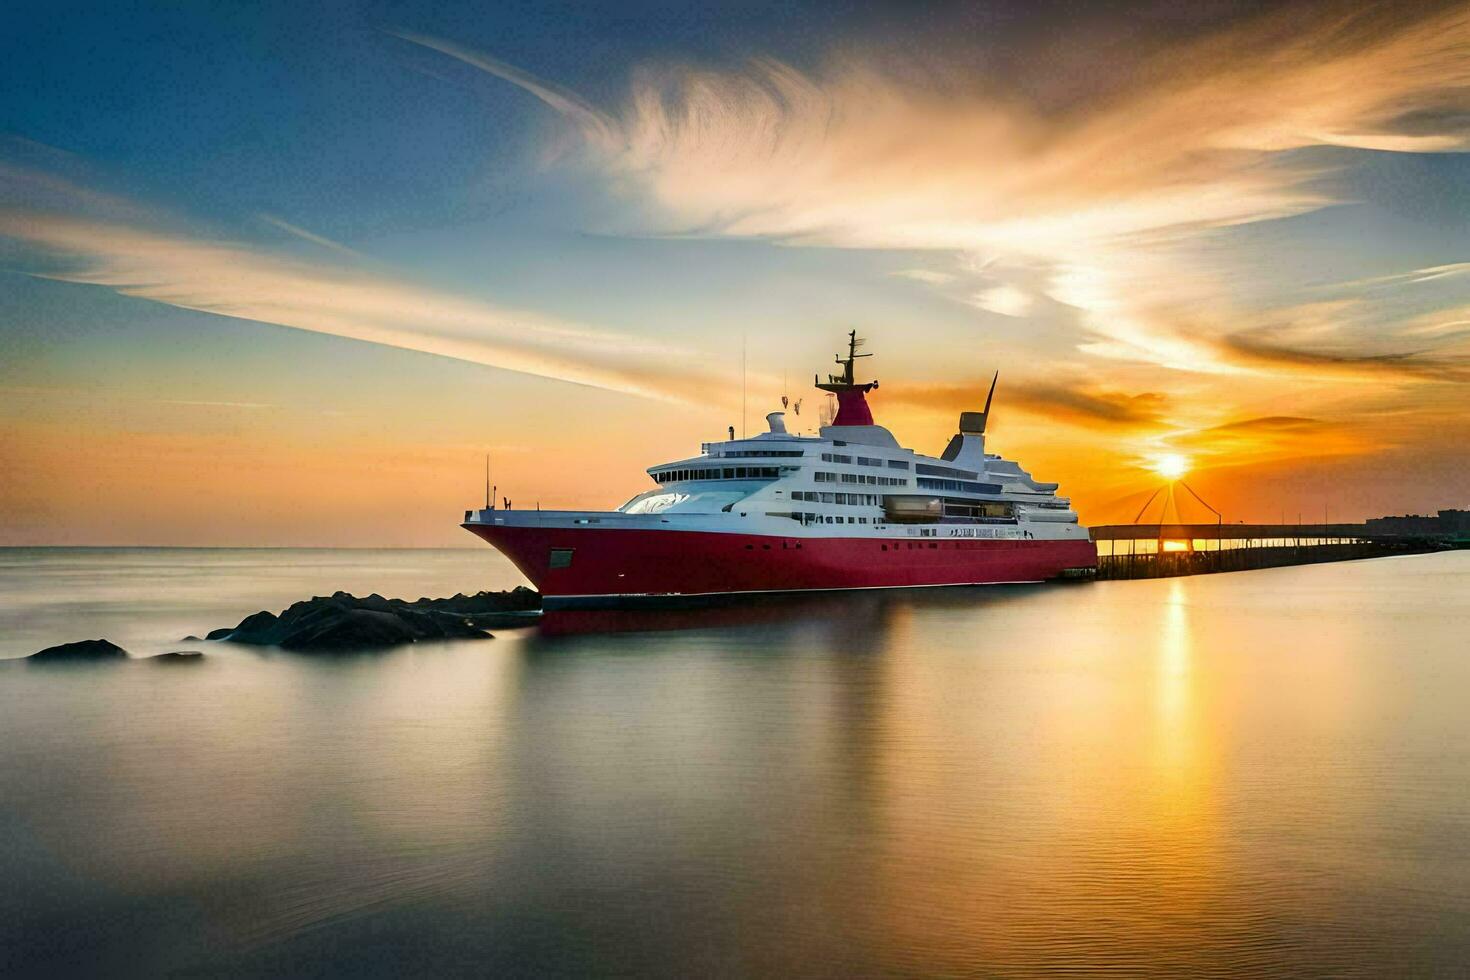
{"points": [[1171, 466]]}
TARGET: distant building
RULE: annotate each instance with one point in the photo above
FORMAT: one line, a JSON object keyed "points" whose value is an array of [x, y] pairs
{"points": [[1447, 523]]}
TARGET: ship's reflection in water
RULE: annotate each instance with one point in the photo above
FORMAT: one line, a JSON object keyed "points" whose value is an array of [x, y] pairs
{"points": [[1240, 774], [865, 614]]}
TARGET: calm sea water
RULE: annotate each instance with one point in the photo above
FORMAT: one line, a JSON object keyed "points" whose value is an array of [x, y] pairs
{"points": [[1257, 773]]}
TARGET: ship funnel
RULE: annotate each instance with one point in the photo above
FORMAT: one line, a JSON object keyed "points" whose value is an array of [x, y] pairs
{"points": [[777, 422], [968, 447], [973, 423]]}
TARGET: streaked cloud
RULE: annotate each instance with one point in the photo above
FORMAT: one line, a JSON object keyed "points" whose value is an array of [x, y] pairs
{"points": [[192, 403], [877, 148], [1414, 276], [1252, 441], [932, 277], [348, 300], [1258, 348], [874, 149], [1071, 403]]}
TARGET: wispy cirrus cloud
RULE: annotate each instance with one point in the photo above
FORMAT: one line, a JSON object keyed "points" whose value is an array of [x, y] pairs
{"points": [[346, 299], [874, 148], [871, 149]]}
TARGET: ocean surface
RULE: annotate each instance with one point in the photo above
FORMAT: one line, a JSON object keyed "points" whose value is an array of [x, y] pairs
{"points": [[1259, 773]]}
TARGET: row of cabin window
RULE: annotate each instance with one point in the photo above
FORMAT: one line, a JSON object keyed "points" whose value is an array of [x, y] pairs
{"points": [[894, 464], [870, 499], [725, 473], [822, 476], [826, 519], [747, 453], [926, 483], [925, 469]]}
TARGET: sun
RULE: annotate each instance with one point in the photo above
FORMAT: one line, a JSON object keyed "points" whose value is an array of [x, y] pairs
{"points": [[1171, 466]]}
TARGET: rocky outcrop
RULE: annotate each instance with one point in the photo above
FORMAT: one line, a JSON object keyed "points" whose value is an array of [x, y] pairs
{"points": [[178, 657], [82, 650], [346, 622]]}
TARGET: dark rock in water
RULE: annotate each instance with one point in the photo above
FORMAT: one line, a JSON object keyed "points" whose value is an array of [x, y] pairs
{"points": [[178, 657], [81, 650], [223, 633], [519, 599], [350, 629], [345, 622], [191, 638], [255, 628]]}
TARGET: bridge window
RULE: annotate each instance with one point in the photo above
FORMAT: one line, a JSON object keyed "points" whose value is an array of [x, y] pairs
{"points": [[963, 486], [924, 469], [898, 464]]}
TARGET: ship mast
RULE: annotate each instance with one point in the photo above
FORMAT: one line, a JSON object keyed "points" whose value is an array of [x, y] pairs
{"points": [[845, 380], [852, 406]]}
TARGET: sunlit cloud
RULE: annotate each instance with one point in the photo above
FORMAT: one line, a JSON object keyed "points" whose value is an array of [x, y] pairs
{"points": [[1248, 442], [931, 277], [872, 149], [864, 152], [1006, 300], [1413, 276]]}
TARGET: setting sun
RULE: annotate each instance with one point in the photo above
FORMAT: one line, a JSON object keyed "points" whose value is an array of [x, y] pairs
{"points": [[1171, 466]]}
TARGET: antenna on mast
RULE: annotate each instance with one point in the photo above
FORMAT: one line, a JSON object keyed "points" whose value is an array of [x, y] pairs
{"points": [[487, 481]]}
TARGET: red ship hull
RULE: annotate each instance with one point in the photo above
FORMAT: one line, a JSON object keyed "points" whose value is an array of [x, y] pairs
{"points": [[611, 563]]}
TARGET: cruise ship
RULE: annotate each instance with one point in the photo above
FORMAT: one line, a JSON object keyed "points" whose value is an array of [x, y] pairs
{"points": [[780, 512]]}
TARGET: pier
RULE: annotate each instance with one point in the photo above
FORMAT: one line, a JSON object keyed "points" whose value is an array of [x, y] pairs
{"points": [[1131, 551]]}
